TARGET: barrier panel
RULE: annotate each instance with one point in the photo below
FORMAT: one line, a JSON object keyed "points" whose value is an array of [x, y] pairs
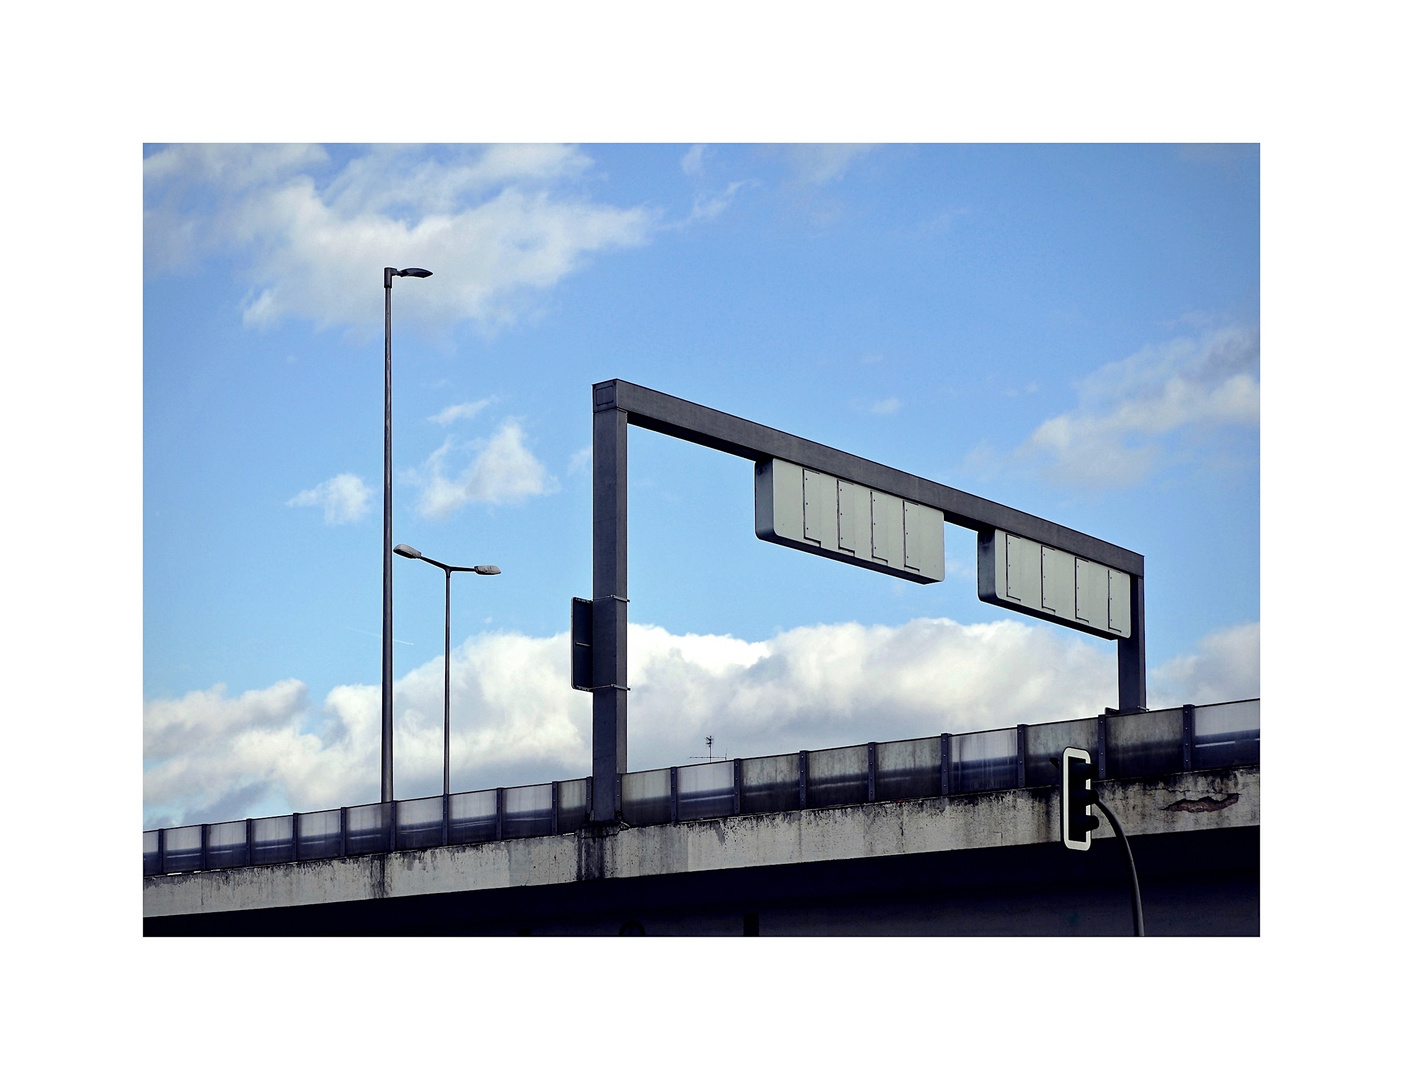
{"points": [[184, 849], [472, 817], [319, 835], [419, 823], [1227, 734], [227, 845], [837, 776], [1139, 744], [647, 797], [769, 785], [368, 828], [572, 807], [526, 811], [274, 840], [909, 769], [984, 761], [1043, 753], [705, 791]]}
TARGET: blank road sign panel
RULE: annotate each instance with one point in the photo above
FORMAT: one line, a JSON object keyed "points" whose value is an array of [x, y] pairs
{"points": [[1093, 594], [1059, 582], [1023, 570], [1041, 580], [854, 518], [812, 511], [821, 509], [924, 536], [886, 529], [1119, 585]]}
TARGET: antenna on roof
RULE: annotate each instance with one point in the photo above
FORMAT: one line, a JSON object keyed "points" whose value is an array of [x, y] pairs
{"points": [[697, 757]]}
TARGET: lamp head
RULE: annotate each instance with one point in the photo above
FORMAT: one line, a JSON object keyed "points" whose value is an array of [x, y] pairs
{"points": [[487, 570], [410, 271], [408, 552]]}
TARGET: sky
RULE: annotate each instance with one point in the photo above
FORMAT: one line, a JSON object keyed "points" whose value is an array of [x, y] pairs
{"points": [[1071, 330]]}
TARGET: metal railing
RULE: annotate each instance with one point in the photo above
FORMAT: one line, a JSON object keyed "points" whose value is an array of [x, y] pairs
{"points": [[1124, 745]]}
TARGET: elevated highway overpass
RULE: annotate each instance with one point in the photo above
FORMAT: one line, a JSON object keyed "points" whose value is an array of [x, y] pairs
{"points": [[956, 834]]}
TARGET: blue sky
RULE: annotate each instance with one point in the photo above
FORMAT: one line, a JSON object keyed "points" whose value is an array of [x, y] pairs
{"points": [[1072, 330]]}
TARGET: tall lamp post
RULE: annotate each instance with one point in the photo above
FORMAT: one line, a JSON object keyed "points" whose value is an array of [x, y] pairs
{"points": [[387, 621], [413, 553]]}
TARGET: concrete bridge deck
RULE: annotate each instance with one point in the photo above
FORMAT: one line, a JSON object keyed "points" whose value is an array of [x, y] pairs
{"points": [[985, 863]]}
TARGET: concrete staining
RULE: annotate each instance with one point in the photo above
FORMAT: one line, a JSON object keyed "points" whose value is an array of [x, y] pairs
{"points": [[1193, 802]]}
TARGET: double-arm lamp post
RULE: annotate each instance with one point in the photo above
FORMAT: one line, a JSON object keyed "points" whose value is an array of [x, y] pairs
{"points": [[387, 619], [413, 553]]}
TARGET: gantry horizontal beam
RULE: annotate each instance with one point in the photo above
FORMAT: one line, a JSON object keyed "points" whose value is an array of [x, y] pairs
{"points": [[695, 423]]}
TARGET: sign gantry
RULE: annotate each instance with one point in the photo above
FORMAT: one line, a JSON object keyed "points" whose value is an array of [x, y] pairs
{"points": [[814, 498]]}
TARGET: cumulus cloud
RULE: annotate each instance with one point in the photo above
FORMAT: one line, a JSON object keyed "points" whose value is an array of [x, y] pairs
{"points": [[211, 757], [1131, 411], [343, 499], [504, 471], [496, 225], [1226, 666], [835, 685], [516, 720]]}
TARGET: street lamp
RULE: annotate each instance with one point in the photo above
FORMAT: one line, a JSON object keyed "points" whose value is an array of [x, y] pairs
{"points": [[387, 621], [414, 553]]}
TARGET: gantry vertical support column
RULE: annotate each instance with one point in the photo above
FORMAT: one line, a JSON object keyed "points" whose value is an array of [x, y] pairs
{"points": [[1130, 653], [610, 608]]}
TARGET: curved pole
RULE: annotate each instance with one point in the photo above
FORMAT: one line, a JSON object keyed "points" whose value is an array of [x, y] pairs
{"points": [[1137, 915]]}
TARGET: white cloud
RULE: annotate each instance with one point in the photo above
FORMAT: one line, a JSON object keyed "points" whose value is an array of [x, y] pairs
{"points": [[692, 160], [1227, 666], [835, 685], [504, 471], [885, 407], [516, 720], [581, 460], [496, 226], [209, 757], [228, 166], [212, 758], [824, 163], [186, 185], [343, 499], [465, 411], [1131, 411], [705, 207]]}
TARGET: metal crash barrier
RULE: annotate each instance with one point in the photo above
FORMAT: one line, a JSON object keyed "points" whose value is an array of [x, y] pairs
{"points": [[1124, 745]]}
